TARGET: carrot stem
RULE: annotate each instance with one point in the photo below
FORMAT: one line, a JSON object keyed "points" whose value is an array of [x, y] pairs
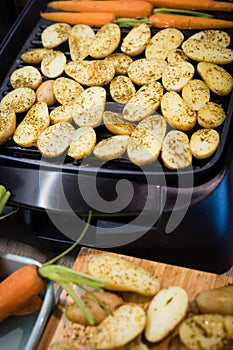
{"points": [[131, 22], [182, 12]]}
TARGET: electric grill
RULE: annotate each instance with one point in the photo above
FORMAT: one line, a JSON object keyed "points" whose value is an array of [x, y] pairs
{"points": [[179, 217]]}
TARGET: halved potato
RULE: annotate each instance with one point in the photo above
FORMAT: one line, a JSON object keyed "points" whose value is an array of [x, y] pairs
{"points": [[45, 93], [34, 56], [196, 93], [176, 151], [176, 112], [162, 42], [20, 99], [91, 104], [55, 140], [176, 75], [53, 64], [204, 142], [217, 78], [143, 71], [7, 124], [67, 90], [91, 73], [176, 55], [105, 41], [154, 124], [64, 113], [27, 76], [136, 40], [116, 124], [211, 115], [82, 142], [207, 51], [112, 147], [55, 34], [80, 40], [146, 101], [35, 121], [121, 62], [122, 89], [215, 36]]}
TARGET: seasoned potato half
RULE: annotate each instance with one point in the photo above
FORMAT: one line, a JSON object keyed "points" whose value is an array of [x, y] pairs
{"points": [[82, 142], [121, 62], [154, 124], [118, 329], [20, 100], [176, 75], [66, 90], [91, 104], [112, 147], [45, 93], [80, 40], [176, 152], [146, 101], [204, 142], [176, 55], [122, 89], [176, 112], [211, 115], [55, 140], [215, 36], [116, 124], [136, 40], [64, 113], [55, 34], [207, 51], [105, 41], [142, 71], [35, 121], [120, 274], [91, 73], [196, 93], [167, 308], [7, 124], [34, 56], [216, 78], [162, 42], [27, 76], [53, 64]]}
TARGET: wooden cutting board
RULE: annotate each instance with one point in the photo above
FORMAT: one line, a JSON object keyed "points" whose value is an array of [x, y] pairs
{"points": [[193, 281]]}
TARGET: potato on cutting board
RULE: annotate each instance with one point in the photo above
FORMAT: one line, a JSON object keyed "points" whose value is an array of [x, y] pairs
{"points": [[80, 40], [136, 40]]}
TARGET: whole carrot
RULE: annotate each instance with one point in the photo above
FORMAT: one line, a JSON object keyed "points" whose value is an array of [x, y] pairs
{"points": [[188, 22], [204, 5], [118, 8], [90, 18]]}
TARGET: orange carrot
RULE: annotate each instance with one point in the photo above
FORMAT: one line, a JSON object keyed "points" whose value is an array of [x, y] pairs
{"points": [[90, 18], [32, 305], [188, 22], [119, 8], [204, 5], [18, 288]]}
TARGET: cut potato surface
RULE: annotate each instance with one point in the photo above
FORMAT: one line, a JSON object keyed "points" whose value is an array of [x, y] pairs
{"points": [[142, 71], [176, 55], [80, 40], [196, 94], [121, 62], [27, 76], [116, 124], [35, 121], [55, 34], [162, 42], [53, 64], [54, 140], [112, 147], [122, 89], [105, 41], [118, 329], [34, 56], [64, 113], [176, 112], [176, 75], [154, 124], [67, 90], [215, 36], [82, 142], [176, 152], [211, 115], [120, 274], [20, 99], [7, 124], [167, 308], [146, 101], [136, 40], [216, 78], [204, 142]]}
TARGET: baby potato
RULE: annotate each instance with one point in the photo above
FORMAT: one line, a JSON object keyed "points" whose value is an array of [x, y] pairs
{"points": [[136, 40], [20, 99], [7, 124], [176, 75], [122, 89], [121, 62], [27, 76], [34, 56], [80, 40], [154, 124], [142, 71], [196, 93], [116, 124], [55, 34], [176, 55], [211, 115], [215, 36], [112, 147], [204, 142], [82, 142], [45, 93], [53, 64], [66, 90]]}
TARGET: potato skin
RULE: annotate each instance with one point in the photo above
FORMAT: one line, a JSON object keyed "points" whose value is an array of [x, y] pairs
{"points": [[45, 93]]}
